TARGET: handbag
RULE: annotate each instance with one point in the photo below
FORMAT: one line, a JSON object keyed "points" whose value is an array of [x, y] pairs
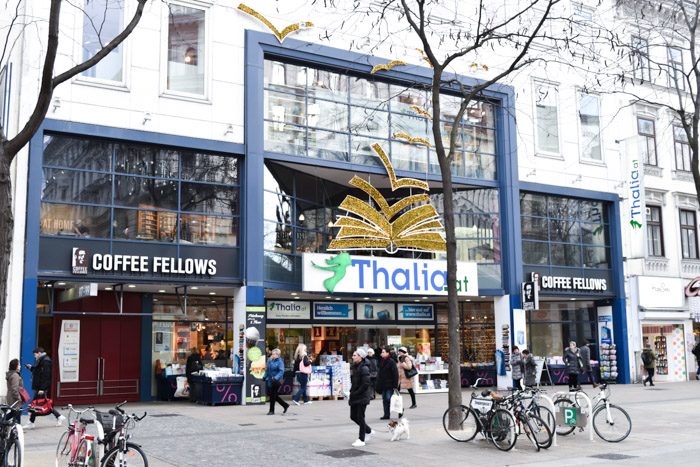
{"points": [[306, 369], [24, 395], [396, 403], [41, 406], [411, 372]]}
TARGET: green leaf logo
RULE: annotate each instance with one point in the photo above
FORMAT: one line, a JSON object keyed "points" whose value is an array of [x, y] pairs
{"points": [[635, 224], [337, 264]]}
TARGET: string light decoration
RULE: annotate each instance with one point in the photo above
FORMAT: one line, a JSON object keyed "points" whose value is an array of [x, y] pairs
{"points": [[417, 227], [386, 66], [421, 111], [280, 35], [412, 139]]}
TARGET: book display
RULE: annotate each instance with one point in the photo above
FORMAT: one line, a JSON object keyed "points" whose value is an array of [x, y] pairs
{"points": [[661, 349], [608, 362]]}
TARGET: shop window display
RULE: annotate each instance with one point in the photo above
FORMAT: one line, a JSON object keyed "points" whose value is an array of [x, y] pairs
{"points": [[668, 342]]}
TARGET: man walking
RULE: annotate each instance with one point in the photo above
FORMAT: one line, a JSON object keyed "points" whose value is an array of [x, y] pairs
{"points": [[41, 384], [696, 352], [387, 379], [649, 362], [585, 353]]}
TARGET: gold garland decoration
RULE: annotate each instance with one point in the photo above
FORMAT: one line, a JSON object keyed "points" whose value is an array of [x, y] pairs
{"points": [[386, 66], [280, 35], [412, 139], [425, 57], [420, 111]]}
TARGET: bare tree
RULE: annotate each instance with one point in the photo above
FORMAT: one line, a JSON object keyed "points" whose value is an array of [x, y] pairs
{"points": [[458, 37], [10, 146]]}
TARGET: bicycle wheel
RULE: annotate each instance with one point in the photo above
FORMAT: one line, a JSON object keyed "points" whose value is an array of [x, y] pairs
{"points": [[502, 430], [132, 456], [613, 425], [13, 454], [540, 431], [63, 449], [529, 431], [560, 405], [83, 454], [545, 414], [463, 426]]}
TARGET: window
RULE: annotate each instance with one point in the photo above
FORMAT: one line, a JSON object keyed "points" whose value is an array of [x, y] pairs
{"points": [[676, 78], [102, 22], [647, 140], [589, 120], [129, 191], [682, 149], [689, 239], [186, 39], [655, 238], [640, 57], [547, 121]]}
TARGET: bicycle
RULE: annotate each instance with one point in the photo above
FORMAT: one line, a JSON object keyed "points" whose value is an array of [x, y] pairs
{"points": [[76, 448], [536, 408], [528, 422], [11, 436], [121, 452], [606, 416]]}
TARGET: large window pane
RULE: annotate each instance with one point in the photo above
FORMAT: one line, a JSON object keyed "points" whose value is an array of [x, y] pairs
{"points": [[77, 153], [596, 257], [102, 21], [533, 205], [139, 192], [210, 199], [563, 208], [277, 237], [406, 156], [547, 119], [208, 230], [186, 39], [75, 187], [416, 127], [595, 234], [362, 152], [589, 120], [75, 221], [132, 224], [146, 160], [565, 255], [373, 94], [481, 250], [535, 253], [284, 108], [328, 115], [535, 228], [209, 168], [283, 138], [369, 122], [285, 77], [327, 85], [564, 231], [477, 139], [328, 145], [480, 165], [402, 98]]}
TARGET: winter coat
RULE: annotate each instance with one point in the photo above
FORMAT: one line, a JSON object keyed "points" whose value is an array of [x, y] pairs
{"points": [[194, 364], [530, 370], [696, 351], [585, 353], [360, 386], [14, 383], [573, 361], [516, 365], [407, 364], [388, 375], [41, 374], [274, 371], [373, 367], [652, 359]]}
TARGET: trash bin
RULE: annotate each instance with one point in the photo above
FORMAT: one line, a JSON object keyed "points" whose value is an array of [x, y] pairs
{"points": [[223, 391]]}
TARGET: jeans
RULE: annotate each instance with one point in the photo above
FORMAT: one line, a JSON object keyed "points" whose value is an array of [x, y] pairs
{"points": [[357, 415], [650, 378], [386, 401], [303, 379], [591, 376], [516, 384], [274, 396], [573, 380]]}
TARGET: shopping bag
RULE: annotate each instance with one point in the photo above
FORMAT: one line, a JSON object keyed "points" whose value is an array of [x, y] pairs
{"points": [[24, 395], [42, 406], [396, 403]]}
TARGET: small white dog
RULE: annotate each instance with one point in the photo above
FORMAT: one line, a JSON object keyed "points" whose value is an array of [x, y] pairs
{"points": [[399, 429]]}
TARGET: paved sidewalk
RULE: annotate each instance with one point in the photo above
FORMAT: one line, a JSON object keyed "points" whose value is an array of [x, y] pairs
{"points": [[665, 431]]}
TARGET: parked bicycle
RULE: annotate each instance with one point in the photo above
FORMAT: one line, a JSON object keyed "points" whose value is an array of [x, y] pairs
{"points": [[120, 451], [528, 420], [11, 436], [611, 422], [535, 406], [76, 447]]}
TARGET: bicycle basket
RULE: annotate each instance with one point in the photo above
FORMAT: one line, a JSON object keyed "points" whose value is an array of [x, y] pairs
{"points": [[108, 422], [481, 405]]}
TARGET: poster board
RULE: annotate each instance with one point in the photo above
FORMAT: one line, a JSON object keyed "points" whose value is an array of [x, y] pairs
{"points": [[69, 351]]}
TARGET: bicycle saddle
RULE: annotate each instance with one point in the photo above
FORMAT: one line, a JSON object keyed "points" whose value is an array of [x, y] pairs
{"points": [[485, 393], [87, 421]]}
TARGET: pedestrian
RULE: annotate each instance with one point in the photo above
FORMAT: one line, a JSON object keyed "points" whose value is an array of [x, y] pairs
{"points": [[359, 394], [302, 369], [193, 365], [407, 364], [649, 363], [14, 384], [41, 384], [587, 369], [387, 379], [274, 374], [516, 365], [572, 359], [529, 369], [696, 352], [373, 369]]}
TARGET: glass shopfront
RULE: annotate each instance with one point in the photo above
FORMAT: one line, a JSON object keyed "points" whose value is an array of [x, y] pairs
{"points": [[555, 324]]}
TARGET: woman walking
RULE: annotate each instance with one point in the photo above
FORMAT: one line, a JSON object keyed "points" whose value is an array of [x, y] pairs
{"points": [[274, 373], [360, 389], [14, 384], [302, 368], [387, 379], [516, 365], [572, 358], [530, 368], [407, 364]]}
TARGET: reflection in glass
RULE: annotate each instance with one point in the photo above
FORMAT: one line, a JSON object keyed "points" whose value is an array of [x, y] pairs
{"points": [[533, 205], [210, 168], [284, 77], [596, 257], [146, 160], [285, 138], [77, 153], [328, 85], [74, 187], [208, 230], [564, 231], [328, 145], [535, 253], [362, 152], [142, 192], [565, 254], [535, 228], [284, 108], [186, 38], [132, 224], [74, 220], [102, 21], [328, 115], [367, 93], [210, 199], [407, 156], [369, 122]]}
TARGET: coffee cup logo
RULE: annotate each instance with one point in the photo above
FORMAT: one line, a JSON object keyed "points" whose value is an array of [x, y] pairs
{"points": [[79, 261]]}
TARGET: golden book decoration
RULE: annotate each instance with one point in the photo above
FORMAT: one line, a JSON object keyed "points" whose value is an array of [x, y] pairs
{"points": [[386, 66], [409, 224], [280, 35]]}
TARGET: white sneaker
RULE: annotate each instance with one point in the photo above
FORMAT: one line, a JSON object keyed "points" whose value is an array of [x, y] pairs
{"points": [[368, 436], [308, 403], [295, 402], [60, 420], [28, 426], [358, 444]]}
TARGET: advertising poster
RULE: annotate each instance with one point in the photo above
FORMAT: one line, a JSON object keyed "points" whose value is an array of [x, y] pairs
{"points": [[255, 361], [162, 336], [519, 329], [415, 312], [528, 296], [605, 325], [376, 311], [635, 204], [69, 351], [334, 310], [288, 309]]}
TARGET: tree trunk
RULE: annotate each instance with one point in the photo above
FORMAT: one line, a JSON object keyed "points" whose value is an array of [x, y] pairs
{"points": [[6, 229]]}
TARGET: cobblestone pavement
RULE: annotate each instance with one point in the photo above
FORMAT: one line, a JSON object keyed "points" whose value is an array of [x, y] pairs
{"points": [[665, 431]]}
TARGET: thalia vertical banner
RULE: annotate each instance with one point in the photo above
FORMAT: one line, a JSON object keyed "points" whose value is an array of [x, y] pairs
{"points": [[255, 361], [69, 351], [636, 207]]}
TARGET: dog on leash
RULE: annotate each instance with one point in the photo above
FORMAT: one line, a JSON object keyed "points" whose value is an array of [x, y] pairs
{"points": [[399, 429]]}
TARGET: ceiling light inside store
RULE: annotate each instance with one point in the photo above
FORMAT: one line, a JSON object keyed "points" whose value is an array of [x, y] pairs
{"points": [[108, 288], [379, 299], [297, 298], [161, 291], [416, 300], [425, 298], [366, 298], [49, 285], [337, 299], [572, 299], [155, 299], [212, 293], [131, 286], [328, 296], [293, 294], [61, 283], [194, 287]]}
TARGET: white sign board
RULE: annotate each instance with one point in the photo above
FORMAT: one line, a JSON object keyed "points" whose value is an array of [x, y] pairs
{"points": [[378, 275], [376, 311], [660, 292], [416, 312], [519, 329], [605, 325], [288, 309], [69, 351]]}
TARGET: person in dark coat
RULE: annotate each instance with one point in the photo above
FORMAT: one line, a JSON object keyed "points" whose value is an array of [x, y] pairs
{"points": [[14, 384], [360, 394], [193, 365], [387, 379], [516, 365], [373, 370], [585, 352], [649, 362], [530, 369], [274, 374], [572, 359], [41, 384]]}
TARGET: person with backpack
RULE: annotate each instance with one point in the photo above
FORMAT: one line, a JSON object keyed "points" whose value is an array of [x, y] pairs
{"points": [[649, 363], [696, 352], [302, 369], [41, 384]]}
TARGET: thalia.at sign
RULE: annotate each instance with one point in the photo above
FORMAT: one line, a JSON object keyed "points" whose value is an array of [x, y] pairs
{"points": [[380, 275], [160, 264]]}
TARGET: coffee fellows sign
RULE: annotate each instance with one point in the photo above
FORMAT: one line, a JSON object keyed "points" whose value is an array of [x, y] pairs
{"points": [[82, 261]]}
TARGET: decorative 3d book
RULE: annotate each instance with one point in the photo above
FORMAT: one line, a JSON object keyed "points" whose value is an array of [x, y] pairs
{"points": [[409, 224]]}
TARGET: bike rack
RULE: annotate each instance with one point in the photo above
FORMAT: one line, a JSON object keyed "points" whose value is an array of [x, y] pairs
{"points": [[575, 395], [550, 403]]}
